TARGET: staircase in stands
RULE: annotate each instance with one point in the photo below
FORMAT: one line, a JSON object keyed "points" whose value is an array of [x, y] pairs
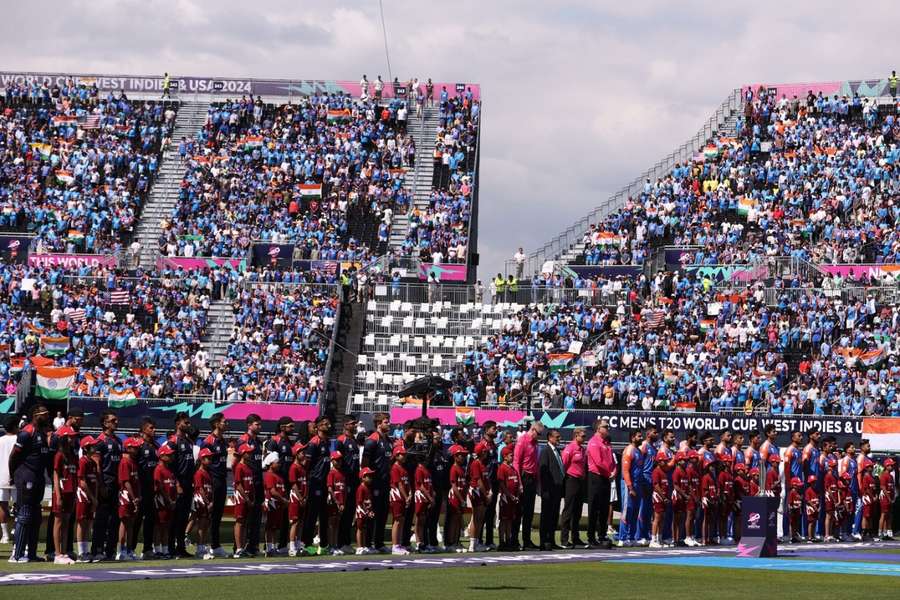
{"points": [[164, 194]]}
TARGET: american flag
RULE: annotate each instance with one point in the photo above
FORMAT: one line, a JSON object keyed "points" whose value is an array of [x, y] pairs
{"points": [[89, 122], [119, 297], [77, 315], [653, 318]]}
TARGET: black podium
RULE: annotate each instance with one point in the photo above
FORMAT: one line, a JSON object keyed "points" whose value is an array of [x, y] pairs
{"points": [[759, 527]]}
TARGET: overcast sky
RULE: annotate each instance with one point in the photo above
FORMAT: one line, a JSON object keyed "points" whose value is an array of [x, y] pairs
{"points": [[580, 97]]}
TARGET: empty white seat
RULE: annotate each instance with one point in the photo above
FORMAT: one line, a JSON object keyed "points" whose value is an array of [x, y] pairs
{"points": [[411, 360], [382, 399], [387, 321], [448, 343], [380, 359], [408, 322], [437, 360], [418, 342], [358, 399], [406, 307], [394, 306], [476, 323], [370, 377], [371, 306], [370, 339], [362, 360], [424, 308]]}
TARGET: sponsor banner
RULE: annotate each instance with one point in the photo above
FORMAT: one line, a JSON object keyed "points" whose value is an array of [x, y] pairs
{"points": [[729, 273], [585, 271], [442, 272], [460, 415], [870, 271], [677, 256], [226, 86], [279, 255], [72, 260], [199, 263], [845, 429], [14, 248], [759, 527]]}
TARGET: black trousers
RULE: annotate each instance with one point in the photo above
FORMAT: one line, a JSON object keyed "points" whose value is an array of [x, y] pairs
{"points": [[180, 518], [345, 530], [575, 489], [106, 523], [380, 506], [218, 508], [551, 497], [316, 512], [434, 516], [148, 516], [255, 523], [490, 515], [598, 506], [529, 492]]}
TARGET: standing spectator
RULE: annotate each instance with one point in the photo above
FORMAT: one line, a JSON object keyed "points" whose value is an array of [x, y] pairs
{"points": [[167, 85], [377, 456], [519, 257], [218, 469], [58, 420], [601, 472], [575, 465], [525, 461], [7, 491], [892, 84], [552, 476], [106, 520]]}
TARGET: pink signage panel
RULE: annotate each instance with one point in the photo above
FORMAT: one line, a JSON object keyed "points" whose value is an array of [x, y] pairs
{"points": [[72, 260], [460, 415], [271, 412]]}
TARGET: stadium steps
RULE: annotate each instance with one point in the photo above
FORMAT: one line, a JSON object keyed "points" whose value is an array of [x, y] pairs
{"points": [[164, 194], [418, 183], [350, 337], [218, 330]]}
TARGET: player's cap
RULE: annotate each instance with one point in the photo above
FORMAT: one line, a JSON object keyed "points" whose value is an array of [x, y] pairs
{"points": [[888, 462], [87, 441], [740, 467], [846, 476], [365, 471], [298, 448], [507, 450], [796, 482], [244, 449], [661, 456], [754, 471], [204, 452], [867, 463], [481, 447], [336, 455], [167, 450], [457, 449], [811, 479], [271, 458], [133, 442], [774, 458], [693, 454], [398, 450], [66, 431]]}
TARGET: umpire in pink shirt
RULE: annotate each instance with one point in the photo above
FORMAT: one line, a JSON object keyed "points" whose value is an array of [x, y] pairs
{"points": [[601, 467], [574, 459], [525, 462]]}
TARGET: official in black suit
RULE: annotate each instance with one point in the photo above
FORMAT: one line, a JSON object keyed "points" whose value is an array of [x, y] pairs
{"points": [[551, 477]]}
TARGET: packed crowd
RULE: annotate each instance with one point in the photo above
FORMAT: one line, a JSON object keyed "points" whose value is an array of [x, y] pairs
{"points": [[810, 179], [306, 491], [288, 175], [75, 165]]}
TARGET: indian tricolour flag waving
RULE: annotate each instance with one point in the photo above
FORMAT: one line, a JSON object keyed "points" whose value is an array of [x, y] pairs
{"points": [[53, 383], [559, 362], [54, 346], [338, 115], [745, 204], [311, 190], [120, 397], [882, 432]]}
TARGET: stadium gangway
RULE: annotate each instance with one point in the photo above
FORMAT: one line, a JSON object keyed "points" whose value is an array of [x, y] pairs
{"points": [[552, 295], [425, 292]]}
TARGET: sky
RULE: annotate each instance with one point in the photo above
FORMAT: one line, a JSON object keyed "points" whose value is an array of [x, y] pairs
{"points": [[579, 97]]}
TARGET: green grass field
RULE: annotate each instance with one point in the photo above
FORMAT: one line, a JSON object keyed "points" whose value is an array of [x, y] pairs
{"points": [[602, 580]]}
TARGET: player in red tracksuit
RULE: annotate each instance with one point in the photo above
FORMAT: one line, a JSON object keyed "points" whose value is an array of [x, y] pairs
{"points": [[725, 483], [709, 500], [741, 490], [833, 505], [244, 495], [795, 506], [400, 498], [661, 497], [86, 497], [680, 492], [811, 495], [479, 495], [129, 497], [510, 495], [336, 483], [275, 504], [886, 496], [165, 494], [424, 498], [203, 499], [694, 476], [365, 512], [868, 495], [299, 485], [65, 478], [456, 501]]}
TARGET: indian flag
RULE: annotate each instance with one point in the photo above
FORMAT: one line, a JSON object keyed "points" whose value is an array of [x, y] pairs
{"points": [[559, 362], [64, 176], [43, 149], [335, 116], [710, 151], [311, 190], [608, 238], [745, 204], [872, 357], [120, 397], [53, 383], [882, 432], [75, 235], [465, 416], [707, 324], [54, 346], [252, 141]]}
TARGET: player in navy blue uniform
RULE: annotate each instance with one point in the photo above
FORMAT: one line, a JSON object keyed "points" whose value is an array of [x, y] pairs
{"points": [[183, 468], [106, 521], [251, 439], [349, 448], [218, 470], [282, 443], [318, 452], [377, 456], [28, 464]]}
